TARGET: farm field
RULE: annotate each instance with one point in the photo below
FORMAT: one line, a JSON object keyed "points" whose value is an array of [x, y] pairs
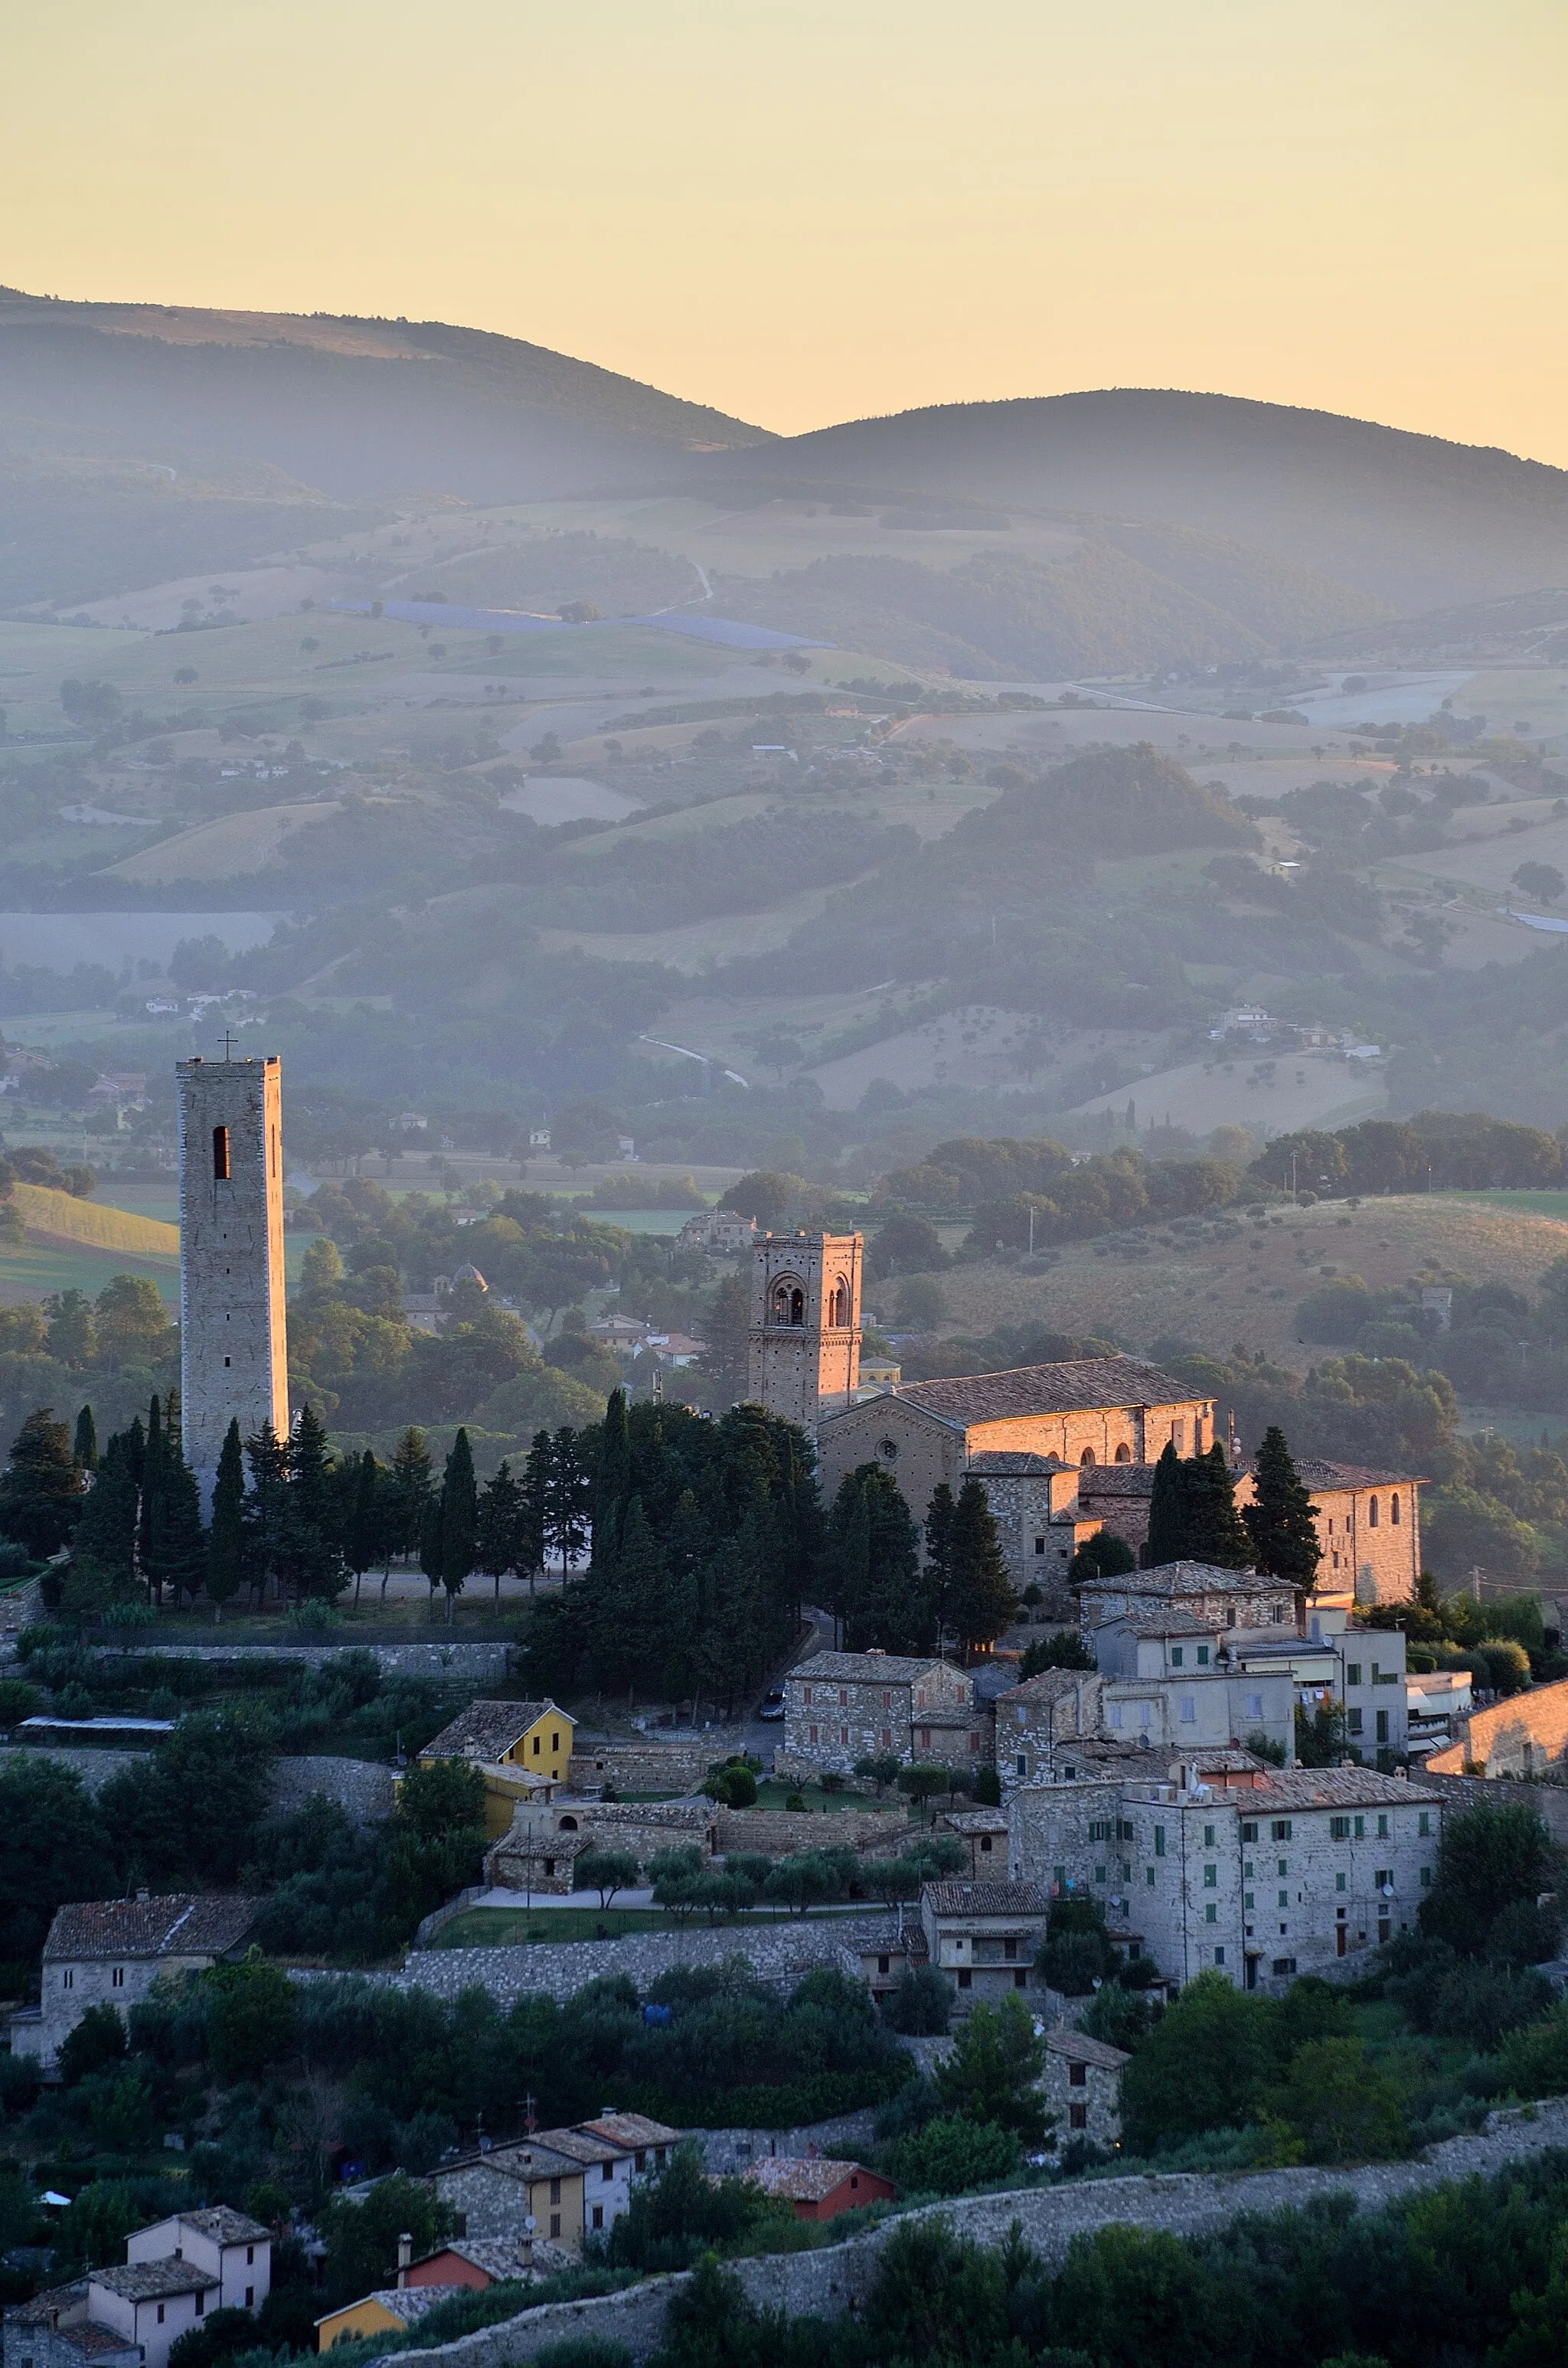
{"points": [[1245, 1292]]}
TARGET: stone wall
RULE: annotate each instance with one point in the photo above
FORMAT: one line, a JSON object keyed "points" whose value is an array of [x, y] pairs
{"points": [[839, 2277], [362, 1787], [873, 1833], [478, 1664], [782, 1950], [845, 2137], [1519, 1737], [640, 1768], [1549, 1802]]}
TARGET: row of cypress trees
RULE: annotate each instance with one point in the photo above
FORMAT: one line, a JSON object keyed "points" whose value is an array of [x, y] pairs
{"points": [[1194, 1517]]}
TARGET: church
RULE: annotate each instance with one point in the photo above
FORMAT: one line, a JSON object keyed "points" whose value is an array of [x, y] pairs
{"points": [[1063, 1450]]}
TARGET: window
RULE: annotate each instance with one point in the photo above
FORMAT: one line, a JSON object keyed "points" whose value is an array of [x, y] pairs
{"points": [[1021, 1765], [1284, 1899], [220, 1176], [1203, 1656], [806, 1696], [844, 1735], [1278, 1615], [160, 2314], [1424, 1823], [1339, 1829], [887, 1701], [1255, 1706], [1249, 1901], [966, 1979], [1353, 1721], [1115, 1714], [550, 1866], [1211, 1913], [1059, 1877], [1372, 1513], [1340, 1881], [1284, 1965], [538, 1741], [1145, 1714], [1210, 1878], [1219, 1955], [1159, 1841], [1425, 1878], [1207, 1837], [250, 2297], [555, 1743], [1175, 1656], [1087, 1456], [843, 1697], [599, 2215], [1077, 2117], [1382, 1726], [1283, 1867], [1189, 1710], [68, 1978], [1010, 1951], [1383, 1879], [1099, 1874], [1077, 2076], [201, 2305], [555, 2223], [985, 1845], [1249, 1832], [887, 1738], [1382, 1826], [882, 1968], [250, 2255], [925, 1738], [814, 1734], [1148, 1876], [1124, 1829], [555, 2191], [1352, 1673], [117, 1979], [1393, 1511]]}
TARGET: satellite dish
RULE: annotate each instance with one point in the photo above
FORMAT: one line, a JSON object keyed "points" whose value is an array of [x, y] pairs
{"points": [[1388, 1891]]}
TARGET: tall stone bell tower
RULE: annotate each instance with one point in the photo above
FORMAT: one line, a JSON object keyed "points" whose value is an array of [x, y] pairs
{"points": [[803, 1346], [233, 1349]]}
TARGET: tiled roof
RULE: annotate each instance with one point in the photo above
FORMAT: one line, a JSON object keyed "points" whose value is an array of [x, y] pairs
{"points": [[977, 1821], [496, 2256], [487, 1730], [631, 2132], [180, 1923], [152, 2281], [225, 2225], [1115, 1480], [1174, 1579], [1048, 1685], [52, 2305], [1081, 1386], [404, 2303], [1335, 1788], [1317, 1471], [998, 1462], [810, 2179], [526, 2159], [867, 1668], [1079, 2048], [1158, 1622], [578, 2147], [986, 1898]]}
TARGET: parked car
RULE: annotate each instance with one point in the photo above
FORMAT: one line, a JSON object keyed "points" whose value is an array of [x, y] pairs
{"points": [[772, 1703]]}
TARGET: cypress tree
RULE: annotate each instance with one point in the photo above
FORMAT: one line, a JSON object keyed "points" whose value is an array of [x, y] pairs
{"points": [[85, 1447], [363, 1534], [500, 1541], [1216, 1531], [982, 1598], [1168, 1509], [103, 1554], [569, 1498], [430, 1539], [226, 1538], [533, 1539], [266, 1509], [849, 1560], [1279, 1520], [460, 1520], [42, 1489], [315, 1551], [939, 1551], [407, 1494], [152, 1481], [179, 1539], [612, 1481]]}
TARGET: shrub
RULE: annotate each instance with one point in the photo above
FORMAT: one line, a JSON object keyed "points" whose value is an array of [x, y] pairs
{"points": [[922, 2004], [952, 2154]]}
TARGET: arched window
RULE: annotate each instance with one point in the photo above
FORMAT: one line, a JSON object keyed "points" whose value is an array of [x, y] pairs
{"points": [[838, 1308], [1393, 1511], [788, 1303], [1087, 1456], [219, 1155], [1372, 1512], [1124, 1453]]}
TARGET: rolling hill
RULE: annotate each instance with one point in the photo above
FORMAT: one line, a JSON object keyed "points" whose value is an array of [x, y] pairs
{"points": [[1411, 519]]}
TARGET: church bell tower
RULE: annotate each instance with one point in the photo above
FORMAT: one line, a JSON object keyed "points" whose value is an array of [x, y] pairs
{"points": [[804, 1346]]}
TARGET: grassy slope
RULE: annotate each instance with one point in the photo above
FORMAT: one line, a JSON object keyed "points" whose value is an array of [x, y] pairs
{"points": [[1220, 1293], [61, 1216]]}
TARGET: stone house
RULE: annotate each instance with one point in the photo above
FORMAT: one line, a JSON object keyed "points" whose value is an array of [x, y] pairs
{"points": [[235, 2248], [1096, 1410], [984, 1936], [1229, 1598], [1293, 1874], [497, 2192], [1040, 1524], [841, 1707], [111, 1952], [53, 2330], [984, 1833], [818, 2188], [1082, 2086], [1522, 1735], [541, 1847]]}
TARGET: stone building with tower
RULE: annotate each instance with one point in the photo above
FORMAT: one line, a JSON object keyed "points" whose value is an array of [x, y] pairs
{"points": [[233, 1349], [803, 1344]]}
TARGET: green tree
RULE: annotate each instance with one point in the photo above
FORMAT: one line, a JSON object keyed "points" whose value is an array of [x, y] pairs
{"points": [[606, 1872], [612, 1481], [991, 2074], [1103, 1556], [1216, 1533], [98, 2041], [937, 1539], [407, 1496], [177, 1555], [568, 1498], [1167, 1509], [226, 1538], [362, 2239], [73, 1335], [981, 1599], [1280, 1519], [499, 1544], [874, 1556], [314, 1550], [1489, 1860], [85, 1443], [362, 1531], [954, 2154], [52, 1848], [1064, 1650], [40, 1491], [1339, 2104], [1203, 2067], [460, 1520], [151, 1483], [103, 1555], [250, 2018]]}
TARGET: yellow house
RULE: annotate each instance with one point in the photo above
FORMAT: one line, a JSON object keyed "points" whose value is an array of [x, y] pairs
{"points": [[517, 1747], [391, 2312]]}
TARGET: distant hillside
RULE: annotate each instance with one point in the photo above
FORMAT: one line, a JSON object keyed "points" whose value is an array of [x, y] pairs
{"points": [[1410, 519], [356, 410], [60, 1216]]}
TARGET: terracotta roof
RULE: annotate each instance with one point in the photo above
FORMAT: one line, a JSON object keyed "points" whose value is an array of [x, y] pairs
{"points": [[152, 2281], [631, 2132], [986, 1898], [488, 1730], [1172, 1578], [868, 1669], [1087, 1384], [808, 2179], [1079, 2048], [577, 2145], [180, 1923], [496, 2256]]}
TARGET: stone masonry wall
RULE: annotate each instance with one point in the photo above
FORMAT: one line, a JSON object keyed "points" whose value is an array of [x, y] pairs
{"points": [[479, 1663], [840, 2277], [361, 1787], [874, 1833], [1549, 1802]]}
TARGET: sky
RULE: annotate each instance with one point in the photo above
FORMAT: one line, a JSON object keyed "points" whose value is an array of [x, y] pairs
{"points": [[834, 208]]}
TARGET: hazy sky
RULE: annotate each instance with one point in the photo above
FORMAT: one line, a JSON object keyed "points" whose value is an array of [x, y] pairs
{"points": [[808, 212]]}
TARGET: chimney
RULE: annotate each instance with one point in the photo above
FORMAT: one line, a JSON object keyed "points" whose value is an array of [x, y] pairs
{"points": [[404, 2256]]}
